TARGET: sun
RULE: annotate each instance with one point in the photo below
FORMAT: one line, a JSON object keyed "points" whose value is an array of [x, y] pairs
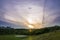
{"points": [[30, 26]]}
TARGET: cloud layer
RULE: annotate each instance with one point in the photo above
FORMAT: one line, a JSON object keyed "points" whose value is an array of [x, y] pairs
{"points": [[17, 11]]}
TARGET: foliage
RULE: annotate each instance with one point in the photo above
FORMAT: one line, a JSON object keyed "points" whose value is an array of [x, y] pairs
{"points": [[9, 31]]}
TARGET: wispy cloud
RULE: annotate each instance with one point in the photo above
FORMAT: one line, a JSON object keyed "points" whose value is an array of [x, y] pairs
{"points": [[18, 10]]}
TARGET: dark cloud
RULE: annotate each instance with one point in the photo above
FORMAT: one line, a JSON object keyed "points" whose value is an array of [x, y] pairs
{"points": [[57, 20], [3, 23]]}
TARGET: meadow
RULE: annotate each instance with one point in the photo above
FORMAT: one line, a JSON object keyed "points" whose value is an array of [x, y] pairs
{"points": [[55, 35]]}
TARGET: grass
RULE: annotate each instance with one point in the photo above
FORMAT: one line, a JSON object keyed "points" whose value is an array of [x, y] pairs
{"points": [[10, 37], [47, 36]]}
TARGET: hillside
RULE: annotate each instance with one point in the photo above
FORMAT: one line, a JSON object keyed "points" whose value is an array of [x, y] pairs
{"points": [[55, 35]]}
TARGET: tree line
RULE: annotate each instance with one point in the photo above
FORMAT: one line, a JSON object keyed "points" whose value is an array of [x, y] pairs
{"points": [[11, 31]]}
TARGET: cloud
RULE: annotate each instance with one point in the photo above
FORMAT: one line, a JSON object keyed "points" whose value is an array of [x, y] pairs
{"points": [[57, 19], [15, 11]]}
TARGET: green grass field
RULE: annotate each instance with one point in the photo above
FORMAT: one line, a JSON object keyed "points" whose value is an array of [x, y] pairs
{"points": [[47, 36]]}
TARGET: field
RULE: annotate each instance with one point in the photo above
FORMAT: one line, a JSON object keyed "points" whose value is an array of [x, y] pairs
{"points": [[47, 36]]}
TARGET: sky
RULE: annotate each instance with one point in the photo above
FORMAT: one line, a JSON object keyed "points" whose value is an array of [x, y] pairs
{"points": [[17, 13]]}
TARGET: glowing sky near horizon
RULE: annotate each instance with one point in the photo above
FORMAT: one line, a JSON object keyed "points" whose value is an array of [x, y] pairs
{"points": [[32, 16], [27, 12]]}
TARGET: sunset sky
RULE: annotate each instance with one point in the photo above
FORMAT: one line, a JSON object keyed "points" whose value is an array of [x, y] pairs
{"points": [[19, 13]]}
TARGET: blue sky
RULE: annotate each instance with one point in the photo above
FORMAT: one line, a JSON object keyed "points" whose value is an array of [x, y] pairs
{"points": [[17, 11]]}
